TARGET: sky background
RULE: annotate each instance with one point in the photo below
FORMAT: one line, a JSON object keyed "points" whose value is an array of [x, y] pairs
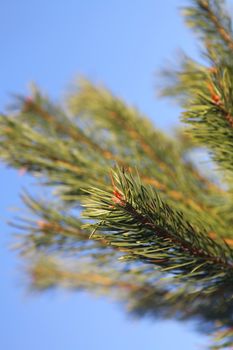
{"points": [[122, 44]]}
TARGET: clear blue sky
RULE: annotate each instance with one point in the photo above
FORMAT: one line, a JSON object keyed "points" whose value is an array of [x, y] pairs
{"points": [[121, 43]]}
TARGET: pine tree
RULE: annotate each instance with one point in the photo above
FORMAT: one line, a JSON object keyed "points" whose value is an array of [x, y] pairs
{"points": [[129, 204]]}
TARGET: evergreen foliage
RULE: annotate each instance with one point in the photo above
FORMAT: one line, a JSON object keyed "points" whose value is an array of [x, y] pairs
{"points": [[129, 214]]}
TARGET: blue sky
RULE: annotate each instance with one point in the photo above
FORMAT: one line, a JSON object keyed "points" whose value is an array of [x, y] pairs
{"points": [[121, 44]]}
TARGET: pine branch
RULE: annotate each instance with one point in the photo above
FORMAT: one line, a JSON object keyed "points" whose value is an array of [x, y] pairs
{"points": [[210, 19], [217, 22], [210, 115], [140, 223], [206, 96]]}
